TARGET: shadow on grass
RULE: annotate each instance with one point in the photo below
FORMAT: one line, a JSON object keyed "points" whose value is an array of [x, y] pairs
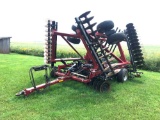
{"points": [[136, 80]]}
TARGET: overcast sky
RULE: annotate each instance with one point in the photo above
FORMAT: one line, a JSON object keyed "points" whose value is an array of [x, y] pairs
{"points": [[24, 20]]}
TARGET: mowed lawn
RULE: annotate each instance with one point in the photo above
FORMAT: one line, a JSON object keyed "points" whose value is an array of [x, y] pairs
{"points": [[138, 98]]}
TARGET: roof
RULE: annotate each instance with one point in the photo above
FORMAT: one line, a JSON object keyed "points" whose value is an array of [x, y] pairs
{"points": [[5, 38]]}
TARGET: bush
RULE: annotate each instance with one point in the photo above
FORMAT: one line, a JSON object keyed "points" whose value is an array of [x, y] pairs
{"points": [[151, 63], [38, 52], [27, 51]]}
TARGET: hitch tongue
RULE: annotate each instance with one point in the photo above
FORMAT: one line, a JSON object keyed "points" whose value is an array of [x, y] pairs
{"points": [[20, 93]]}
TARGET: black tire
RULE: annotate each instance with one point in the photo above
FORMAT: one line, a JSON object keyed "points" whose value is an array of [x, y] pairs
{"points": [[99, 85], [105, 86], [91, 82], [73, 40], [105, 26], [116, 37], [95, 83], [110, 32], [122, 76]]}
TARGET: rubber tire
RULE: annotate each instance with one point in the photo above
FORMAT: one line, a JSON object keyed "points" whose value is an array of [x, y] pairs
{"points": [[121, 76], [110, 32], [99, 85], [91, 82], [105, 87], [116, 38], [95, 83], [73, 40], [105, 26]]}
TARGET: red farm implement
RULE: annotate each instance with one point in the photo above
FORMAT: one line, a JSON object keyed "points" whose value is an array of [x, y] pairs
{"points": [[100, 63]]}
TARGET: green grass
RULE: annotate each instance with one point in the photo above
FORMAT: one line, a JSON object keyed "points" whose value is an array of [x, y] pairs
{"points": [[135, 99]]}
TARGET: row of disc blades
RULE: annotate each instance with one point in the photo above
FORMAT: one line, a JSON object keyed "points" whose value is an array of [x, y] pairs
{"points": [[47, 47], [135, 46]]}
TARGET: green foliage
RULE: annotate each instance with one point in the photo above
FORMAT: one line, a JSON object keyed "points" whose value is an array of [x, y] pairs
{"points": [[63, 51], [152, 64], [152, 58], [27, 51], [137, 98], [151, 53]]}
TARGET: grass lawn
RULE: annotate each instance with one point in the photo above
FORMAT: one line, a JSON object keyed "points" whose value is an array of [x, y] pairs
{"points": [[138, 98]]}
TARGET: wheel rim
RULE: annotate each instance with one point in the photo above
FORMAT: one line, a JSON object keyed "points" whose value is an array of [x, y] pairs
{"points": [[99, 85], [125, 76], [104, 87]]}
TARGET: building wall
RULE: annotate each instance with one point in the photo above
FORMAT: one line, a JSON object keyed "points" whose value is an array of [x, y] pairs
{"points": [[5, 45]]}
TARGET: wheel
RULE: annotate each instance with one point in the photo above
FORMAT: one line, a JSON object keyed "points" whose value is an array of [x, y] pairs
{"points": [[116, 37], [91, 82], [105, 26], [98, 85], [73, 40], [95, 83], [122, 76], [105, 86]]}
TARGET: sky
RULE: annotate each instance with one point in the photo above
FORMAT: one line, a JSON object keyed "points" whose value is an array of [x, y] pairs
{"points": [[25, 20]]}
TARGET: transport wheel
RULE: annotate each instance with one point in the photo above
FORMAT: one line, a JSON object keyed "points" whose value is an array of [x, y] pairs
{"points": [[95, 84], [105, 86], [98, 85], [122, 76], [91, 82]]}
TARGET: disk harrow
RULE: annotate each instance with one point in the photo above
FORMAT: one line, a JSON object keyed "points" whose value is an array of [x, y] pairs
{"points": [[100, 63]]}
